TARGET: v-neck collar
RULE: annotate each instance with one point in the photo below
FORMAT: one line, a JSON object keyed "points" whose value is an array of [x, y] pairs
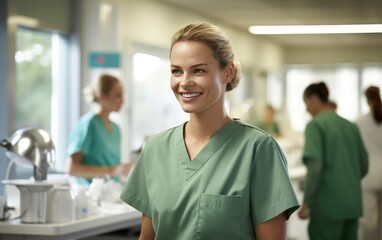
{"points": [[191, 167], [100, 120]]}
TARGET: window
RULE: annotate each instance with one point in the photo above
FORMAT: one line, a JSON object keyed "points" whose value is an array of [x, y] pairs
{"points": [[346, 85], [40, 94], [297, 79], [275, 92], [33, 88], [239, 100], [155, 107]]}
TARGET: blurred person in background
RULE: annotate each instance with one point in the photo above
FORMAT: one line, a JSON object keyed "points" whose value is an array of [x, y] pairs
{"points": [[336, 161], [370, 126], [94, 143], [269, 123]]}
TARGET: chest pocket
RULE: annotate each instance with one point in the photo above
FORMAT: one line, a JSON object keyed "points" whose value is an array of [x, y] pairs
{"points": [[218, 217]]}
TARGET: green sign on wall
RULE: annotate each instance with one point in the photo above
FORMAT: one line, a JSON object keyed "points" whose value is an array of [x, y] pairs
{"points": [[104, 60]]}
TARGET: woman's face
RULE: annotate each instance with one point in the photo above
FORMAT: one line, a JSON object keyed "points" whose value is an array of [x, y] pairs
{"points": [[197, 80], [113, 100]]}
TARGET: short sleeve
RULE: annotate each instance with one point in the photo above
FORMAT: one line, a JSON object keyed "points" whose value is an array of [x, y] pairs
{"points": [[80, 138], [313, 142], [135, 192], [272, 192]]}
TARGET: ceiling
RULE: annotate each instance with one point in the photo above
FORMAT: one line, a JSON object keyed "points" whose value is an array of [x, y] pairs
{"points": [[243, 13]]}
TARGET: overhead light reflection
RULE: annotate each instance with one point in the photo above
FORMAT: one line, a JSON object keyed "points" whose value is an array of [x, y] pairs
{"points": [[316, 29]]}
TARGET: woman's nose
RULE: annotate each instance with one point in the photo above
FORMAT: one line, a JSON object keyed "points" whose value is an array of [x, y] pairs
{"points": [[186, 80]]}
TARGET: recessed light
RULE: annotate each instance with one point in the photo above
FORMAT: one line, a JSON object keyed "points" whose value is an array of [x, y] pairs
{"points": [[316, 29]]}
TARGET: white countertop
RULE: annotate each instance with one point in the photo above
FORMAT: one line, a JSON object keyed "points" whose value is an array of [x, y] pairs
{"points": [[113, 217]]}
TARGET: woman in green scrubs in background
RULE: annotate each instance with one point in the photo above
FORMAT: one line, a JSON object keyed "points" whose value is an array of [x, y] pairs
{"points": [[212, 177], [336, 161], [94, 143]]}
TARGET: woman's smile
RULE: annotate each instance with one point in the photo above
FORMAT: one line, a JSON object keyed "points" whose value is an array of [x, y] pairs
{"points": [[190, 96]]}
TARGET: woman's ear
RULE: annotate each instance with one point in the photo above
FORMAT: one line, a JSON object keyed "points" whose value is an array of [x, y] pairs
{"points": [[229, 72]]}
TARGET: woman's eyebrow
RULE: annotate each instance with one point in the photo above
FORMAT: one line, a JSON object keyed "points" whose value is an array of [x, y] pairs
{"points": [[193, 66], [199, 65]]}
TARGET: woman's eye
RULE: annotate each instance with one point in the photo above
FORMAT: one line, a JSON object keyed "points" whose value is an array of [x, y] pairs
{"points": [[176, 72], [198, 71]]}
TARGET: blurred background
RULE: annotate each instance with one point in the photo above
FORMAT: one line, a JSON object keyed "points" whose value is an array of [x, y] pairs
{"points": [[51, 49]]}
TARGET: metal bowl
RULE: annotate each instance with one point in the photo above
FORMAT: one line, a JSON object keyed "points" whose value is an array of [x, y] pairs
{"points": [[31, 146]]}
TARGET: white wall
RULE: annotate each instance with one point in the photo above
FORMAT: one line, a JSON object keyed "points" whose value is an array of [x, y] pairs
{"points": [[152, 23], [333, 55], [148, 22]]}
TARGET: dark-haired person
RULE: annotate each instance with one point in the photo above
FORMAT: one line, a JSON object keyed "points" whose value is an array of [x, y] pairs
{"points": [[94, 143], [212, 177], [336, 161], [370, 126]]}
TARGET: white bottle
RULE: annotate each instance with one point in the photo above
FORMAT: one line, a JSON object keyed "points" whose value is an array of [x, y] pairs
{"points": [[83, 202], [95, 192]]}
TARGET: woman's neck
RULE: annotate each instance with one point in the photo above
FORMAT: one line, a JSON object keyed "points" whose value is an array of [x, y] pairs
{"points": [[204, 126], [104, 116]]}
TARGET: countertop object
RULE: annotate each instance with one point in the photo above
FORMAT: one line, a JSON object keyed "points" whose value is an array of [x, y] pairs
{"points": [[31, 146], [33, 196]]}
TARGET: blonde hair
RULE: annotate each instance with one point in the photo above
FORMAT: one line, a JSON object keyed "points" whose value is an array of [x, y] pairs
{"points": [[219, 43], [103, 86]]}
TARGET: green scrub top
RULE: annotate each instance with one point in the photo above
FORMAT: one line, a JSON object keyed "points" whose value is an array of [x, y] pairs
{"points": [[336, 160], [99, 146], [238, 180]]}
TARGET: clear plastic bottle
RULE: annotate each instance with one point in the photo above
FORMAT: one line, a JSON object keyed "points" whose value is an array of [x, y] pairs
{"points": [[83, 202], [95, 192]]}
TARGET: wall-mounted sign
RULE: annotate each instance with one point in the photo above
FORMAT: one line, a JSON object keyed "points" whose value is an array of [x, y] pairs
{"points": [[104, 60]]}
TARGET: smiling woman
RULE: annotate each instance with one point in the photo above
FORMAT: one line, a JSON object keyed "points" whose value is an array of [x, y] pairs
{"points": [[212, 177]]}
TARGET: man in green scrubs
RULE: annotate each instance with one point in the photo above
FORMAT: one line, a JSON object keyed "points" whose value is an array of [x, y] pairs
{"points": [[336, 160]]}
